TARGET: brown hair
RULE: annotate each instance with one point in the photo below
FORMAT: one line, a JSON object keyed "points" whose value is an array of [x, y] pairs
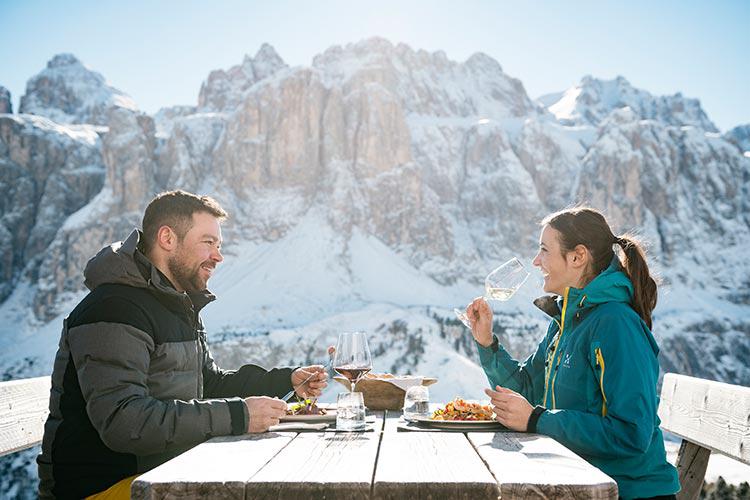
{"points": [[587, 226], [175, 209]]}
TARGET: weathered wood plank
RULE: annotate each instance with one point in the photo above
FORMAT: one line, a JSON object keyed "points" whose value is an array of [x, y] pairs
{"points": [[711, 414], [536, 466], [429, 465], [24, 406], [320, 465], [218, 468], [692, 461]]}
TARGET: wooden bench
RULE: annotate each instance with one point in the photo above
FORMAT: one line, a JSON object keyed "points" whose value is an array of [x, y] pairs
{"points": [[24, 406], [708, 416]]}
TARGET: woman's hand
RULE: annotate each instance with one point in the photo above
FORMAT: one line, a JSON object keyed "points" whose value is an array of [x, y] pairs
{"points": [[480, 317], [512, 409]]}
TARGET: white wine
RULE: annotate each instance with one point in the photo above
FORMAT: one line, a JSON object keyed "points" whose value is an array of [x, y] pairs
{"points": [[499, 293]]}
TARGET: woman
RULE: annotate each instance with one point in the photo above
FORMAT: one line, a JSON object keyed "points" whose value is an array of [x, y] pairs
{"points": [[593, 376]]}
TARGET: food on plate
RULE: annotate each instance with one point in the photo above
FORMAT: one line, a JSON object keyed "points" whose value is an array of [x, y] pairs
{"points": [[458, 409], [306, 407]]}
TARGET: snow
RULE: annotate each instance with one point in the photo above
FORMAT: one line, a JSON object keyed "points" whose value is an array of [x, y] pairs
{"points": [[87, 134], [565, 107]]}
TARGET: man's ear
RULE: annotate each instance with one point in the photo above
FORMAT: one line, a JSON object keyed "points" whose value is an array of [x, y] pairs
{"points": [[166, 238], [579, 257]]}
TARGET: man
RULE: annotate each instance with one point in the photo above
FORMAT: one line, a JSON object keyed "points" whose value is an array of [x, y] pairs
{"points": [[134, 383]]}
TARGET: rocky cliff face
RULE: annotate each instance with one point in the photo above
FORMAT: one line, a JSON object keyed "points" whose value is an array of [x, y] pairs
{"points": [[740, 137], [224, 90], [6, 106], [47, 173], [383, 174]]}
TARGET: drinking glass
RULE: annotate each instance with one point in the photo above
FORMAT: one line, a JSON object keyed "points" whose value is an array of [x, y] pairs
{"points": [[350, 411], [500, 285], [352, 359], [416, 402]]}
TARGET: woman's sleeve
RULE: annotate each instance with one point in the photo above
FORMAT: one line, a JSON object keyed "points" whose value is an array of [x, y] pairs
{"points": [[525, 377]]}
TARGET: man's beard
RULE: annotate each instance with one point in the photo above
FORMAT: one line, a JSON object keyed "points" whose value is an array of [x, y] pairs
{"points": [[187, 278]]}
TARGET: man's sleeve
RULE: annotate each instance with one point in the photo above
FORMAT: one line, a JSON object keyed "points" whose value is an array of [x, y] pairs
{"points": [[112, 364], [248, 380]]}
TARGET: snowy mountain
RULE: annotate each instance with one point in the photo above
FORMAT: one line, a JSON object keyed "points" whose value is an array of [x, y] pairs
{"points": [[373, 190], [589, 102], [68, 92]]}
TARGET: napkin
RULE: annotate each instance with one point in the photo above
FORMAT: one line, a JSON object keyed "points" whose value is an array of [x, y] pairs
{"points": [[404, 382], [298, 426]]}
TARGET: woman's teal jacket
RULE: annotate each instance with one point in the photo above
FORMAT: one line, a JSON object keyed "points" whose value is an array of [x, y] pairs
{"points": [[596, 372]]}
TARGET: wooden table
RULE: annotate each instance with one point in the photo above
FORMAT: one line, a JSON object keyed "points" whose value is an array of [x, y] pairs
{"points": [[381, 464]]}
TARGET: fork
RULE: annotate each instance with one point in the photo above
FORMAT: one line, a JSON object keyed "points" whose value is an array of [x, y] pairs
{"points": [[291, 393]]}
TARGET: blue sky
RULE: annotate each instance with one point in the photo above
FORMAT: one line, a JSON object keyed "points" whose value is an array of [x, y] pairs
{"points": [[160, 52]]}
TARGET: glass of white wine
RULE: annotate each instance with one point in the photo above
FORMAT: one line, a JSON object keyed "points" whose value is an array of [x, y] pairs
{"points": [[500, 285]]}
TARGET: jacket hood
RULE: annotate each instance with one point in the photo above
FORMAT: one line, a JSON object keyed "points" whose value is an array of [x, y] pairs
{"points": [[123, 264], [116, 264], [611, 285]]}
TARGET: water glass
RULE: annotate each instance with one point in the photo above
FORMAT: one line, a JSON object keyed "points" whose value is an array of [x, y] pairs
{"points": [[416, 402], [350, 411]]}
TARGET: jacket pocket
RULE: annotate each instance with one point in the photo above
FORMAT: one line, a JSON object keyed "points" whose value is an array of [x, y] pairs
{"points": [[600, 368]]}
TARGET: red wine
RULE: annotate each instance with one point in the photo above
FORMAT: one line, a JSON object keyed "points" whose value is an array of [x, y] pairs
{"points": [[353, 373]]}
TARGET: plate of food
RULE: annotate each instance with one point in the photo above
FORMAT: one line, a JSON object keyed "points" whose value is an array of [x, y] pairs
{"points": [[461, 414], [309, 411]]}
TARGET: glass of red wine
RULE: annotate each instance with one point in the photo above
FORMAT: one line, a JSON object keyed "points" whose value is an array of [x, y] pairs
{"points": [[352, 359]]}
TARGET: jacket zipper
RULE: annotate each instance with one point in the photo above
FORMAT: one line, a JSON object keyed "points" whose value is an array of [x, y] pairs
{"points": [[554, 353]]}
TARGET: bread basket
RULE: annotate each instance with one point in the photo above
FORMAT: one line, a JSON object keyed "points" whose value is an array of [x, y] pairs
{"points": [[378, 392]]}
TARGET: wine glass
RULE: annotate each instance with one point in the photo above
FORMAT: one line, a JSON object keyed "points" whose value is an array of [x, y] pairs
{"points": [[352, 359], [500, 285]]}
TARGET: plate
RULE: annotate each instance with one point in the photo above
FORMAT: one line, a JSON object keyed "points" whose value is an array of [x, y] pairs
{"points": [[330, 416], [459, 424]]}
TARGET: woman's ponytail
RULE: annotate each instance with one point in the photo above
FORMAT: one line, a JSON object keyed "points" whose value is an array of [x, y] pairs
{"points": [[644, 285]]}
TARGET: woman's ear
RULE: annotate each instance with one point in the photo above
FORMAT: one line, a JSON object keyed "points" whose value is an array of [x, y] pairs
{"points": [[580, 256]]}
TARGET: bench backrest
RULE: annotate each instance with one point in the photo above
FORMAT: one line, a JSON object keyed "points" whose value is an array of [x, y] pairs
{"points": [[708, 416], [24, 405]]}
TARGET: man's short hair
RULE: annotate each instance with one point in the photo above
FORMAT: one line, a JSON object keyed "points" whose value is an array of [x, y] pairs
{"points": [[175, 209]]}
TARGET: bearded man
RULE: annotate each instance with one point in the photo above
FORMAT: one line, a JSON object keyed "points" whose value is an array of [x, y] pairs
{"points": [[134, 383]]}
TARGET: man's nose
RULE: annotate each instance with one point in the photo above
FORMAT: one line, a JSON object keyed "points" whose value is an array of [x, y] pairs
{"points": [[216, 256]]}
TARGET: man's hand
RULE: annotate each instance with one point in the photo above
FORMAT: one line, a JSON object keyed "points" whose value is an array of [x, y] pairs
{"points": [[480, 317], [309, 381], [511, 408], [264, 412]]}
